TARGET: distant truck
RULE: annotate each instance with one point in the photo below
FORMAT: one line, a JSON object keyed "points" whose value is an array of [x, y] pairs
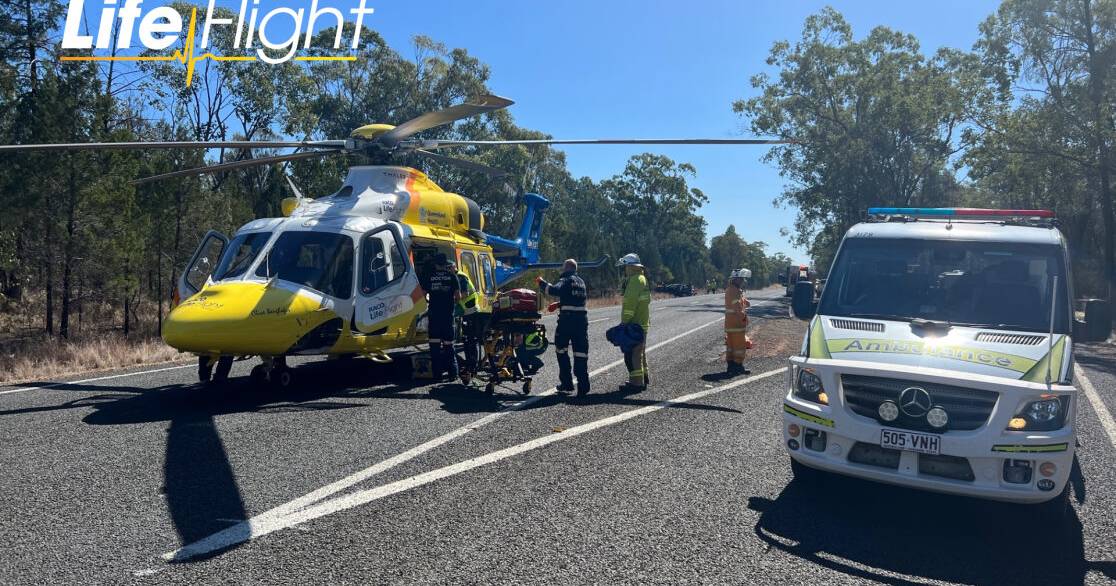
{"points": [[793, 275], [940, 357]]}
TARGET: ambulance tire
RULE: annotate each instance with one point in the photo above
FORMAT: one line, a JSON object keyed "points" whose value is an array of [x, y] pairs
{"points": [[1052, 514], [806, 475]]}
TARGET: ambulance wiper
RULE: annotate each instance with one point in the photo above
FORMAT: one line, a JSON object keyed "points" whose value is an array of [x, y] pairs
{"points": [[877, 316], [929, 324]]}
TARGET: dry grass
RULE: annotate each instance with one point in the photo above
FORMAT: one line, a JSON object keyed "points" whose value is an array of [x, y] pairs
{"points": [[44, 358]]}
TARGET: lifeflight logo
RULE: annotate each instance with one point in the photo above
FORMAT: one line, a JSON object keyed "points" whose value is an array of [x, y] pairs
{"points": [[160, 28]]}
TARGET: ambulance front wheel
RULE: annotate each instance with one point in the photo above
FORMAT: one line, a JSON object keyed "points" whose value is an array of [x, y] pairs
{"points": [[1053, 513], [804, 474]]}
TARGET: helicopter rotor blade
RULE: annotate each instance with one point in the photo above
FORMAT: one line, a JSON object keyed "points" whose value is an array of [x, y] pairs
{"points": [[228, 144], [492, 172], [441, 144], [478, 105], [246, 163]]}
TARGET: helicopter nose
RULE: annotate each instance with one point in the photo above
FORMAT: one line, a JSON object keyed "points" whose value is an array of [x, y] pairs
{"points": [[244, 318]]}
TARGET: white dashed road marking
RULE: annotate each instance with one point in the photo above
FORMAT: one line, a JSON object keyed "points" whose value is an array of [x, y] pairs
{"points": [[1098, 405], [258, 526]]}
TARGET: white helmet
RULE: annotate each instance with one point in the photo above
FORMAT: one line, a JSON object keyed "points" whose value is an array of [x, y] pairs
{"points": [[741, 274], [629, 260]]}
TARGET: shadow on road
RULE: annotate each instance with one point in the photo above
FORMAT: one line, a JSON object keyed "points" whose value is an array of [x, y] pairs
{"points": [[871, 531], [1100, 357]]}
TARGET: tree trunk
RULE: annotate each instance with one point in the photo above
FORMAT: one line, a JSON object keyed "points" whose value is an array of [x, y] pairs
{"points": [[127, 297], [68, 251], [1098, 74], [32, 48], [48, 244]]}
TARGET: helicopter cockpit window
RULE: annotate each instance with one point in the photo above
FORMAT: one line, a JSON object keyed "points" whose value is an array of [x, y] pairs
{"points": [[382, 262], [320, 260], [240, 254]]}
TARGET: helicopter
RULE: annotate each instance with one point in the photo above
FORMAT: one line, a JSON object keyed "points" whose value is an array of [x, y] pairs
{"points": [[339, 275]]}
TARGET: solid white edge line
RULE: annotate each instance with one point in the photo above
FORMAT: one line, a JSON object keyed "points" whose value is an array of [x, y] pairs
{"points": [[1098, 404], [257, 527], [93, 380]]}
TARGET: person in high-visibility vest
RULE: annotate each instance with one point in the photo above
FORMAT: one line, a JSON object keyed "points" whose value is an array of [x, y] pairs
{"points": [[637, 310], [443, 289], [736, 324], [573, 328], [473, 323]]}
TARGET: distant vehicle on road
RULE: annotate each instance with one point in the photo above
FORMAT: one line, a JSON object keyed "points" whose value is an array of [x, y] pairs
{"points": [[793, 275], [940, 357], [676, 289]]}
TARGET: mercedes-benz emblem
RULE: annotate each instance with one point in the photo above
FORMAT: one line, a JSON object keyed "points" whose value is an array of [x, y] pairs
{"points": [[915, 401]]}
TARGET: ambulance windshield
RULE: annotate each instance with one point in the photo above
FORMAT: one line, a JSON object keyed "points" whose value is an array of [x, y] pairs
{"points": [[999, 285]]}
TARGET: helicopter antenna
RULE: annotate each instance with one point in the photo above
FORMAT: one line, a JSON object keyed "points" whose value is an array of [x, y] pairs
{"points": [[294, 188]]}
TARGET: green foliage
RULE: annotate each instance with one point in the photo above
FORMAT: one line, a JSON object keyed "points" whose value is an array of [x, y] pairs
{"points": [[874, 123], [78, 218]]}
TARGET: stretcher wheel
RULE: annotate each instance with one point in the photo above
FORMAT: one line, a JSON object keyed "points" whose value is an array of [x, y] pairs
{"points": [[489, 389], [259, 374], [282, 378], [527, 387]]}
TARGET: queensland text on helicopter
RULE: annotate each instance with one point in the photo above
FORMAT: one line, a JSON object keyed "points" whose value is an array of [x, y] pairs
{"points": [[338, 275]]}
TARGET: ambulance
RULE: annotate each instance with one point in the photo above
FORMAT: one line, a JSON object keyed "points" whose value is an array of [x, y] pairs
{"points": [[940, 357]]}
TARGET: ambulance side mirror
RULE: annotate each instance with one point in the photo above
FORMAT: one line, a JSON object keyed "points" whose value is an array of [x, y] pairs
{"points": [[803, 302]]}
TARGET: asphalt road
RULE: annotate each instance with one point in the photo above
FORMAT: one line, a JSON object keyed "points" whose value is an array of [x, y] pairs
{"points": [[356, 478]]}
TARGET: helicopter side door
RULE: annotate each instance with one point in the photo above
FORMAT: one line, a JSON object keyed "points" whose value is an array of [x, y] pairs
{"points": [[202, 264], [386, 281]]}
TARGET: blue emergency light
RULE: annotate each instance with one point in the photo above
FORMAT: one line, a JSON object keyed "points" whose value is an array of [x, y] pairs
{"points": [[959, 212]]}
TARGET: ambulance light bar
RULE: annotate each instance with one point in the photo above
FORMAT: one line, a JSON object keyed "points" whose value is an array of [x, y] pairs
{"points": [[959, 212]]}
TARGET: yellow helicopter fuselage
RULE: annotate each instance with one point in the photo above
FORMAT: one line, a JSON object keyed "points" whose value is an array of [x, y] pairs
{"points": [[339, 275]]}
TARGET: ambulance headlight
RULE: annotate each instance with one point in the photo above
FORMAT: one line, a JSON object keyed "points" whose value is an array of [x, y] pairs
{"points": [[808, 386], [1046, 414]]}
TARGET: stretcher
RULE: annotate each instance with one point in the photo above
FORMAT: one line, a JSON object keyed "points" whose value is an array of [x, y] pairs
{"points": [[512, 343], [506, 341]]}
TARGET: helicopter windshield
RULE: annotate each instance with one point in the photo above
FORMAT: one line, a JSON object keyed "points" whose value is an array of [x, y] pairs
{"points": [[240, 254], [320, 260]]}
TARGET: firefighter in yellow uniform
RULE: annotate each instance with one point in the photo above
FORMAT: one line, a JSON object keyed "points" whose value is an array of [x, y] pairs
{"points": [[736, 323], [637, 310]]}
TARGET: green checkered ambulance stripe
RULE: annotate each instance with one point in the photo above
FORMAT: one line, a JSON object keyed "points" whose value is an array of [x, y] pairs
{"points": [[807, 416], [1018, 364], [1031, 449]]}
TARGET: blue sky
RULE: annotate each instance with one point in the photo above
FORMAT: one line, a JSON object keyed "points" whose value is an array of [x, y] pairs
{"points": [[649, 68], [631, 68]]}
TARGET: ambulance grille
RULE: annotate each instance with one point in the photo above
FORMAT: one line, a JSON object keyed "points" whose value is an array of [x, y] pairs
{"points": [[1018, 339], [968, 408], [861, 326]]}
